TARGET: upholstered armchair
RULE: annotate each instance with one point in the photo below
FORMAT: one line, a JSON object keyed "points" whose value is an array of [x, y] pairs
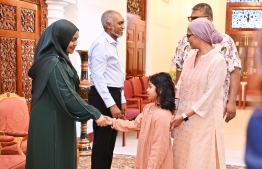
{"points": [[129, 95], [14, 121], [144, 83], [133, 106], [139, 93]]}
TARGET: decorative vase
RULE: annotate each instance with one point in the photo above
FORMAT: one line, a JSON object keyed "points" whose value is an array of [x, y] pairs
{"points": [[84, 88]]}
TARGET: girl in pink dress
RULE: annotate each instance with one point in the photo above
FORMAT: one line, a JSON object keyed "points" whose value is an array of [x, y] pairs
{"points": [[154, 149]]}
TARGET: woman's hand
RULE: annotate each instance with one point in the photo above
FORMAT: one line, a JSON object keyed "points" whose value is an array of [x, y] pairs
{"points": [[176, 121], [101, 121], [109, 120]]}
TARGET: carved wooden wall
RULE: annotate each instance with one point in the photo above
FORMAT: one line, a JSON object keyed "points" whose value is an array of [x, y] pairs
{"points": [[21, 25], [137, 7]]}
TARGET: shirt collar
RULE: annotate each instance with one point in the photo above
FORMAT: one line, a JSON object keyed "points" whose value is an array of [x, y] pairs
{"points": [[110, 39]]}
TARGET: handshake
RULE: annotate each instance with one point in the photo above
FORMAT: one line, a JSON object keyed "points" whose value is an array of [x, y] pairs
{"points": [[104, 121]]}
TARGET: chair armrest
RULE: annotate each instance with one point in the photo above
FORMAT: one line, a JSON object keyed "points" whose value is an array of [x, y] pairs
{"points": [[137, 100], [6, 138], [15, 133], [133, 99], [141, 95]]}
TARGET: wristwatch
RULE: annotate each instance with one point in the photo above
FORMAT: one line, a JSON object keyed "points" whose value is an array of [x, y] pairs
{"points": [[184, 117]]}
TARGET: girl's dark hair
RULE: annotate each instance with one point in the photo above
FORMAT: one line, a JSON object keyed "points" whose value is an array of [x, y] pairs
{"points": [[164, 89]]}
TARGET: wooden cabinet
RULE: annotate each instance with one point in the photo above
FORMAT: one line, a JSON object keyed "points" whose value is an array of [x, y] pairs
{"points": [[244, 25], [249, 49], [135, 50]]}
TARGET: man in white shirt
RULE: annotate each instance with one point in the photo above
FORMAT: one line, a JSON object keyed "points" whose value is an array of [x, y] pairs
{"points": [[106, 80]]}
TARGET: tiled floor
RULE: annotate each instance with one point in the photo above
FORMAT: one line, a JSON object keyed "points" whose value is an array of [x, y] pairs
{"points": [[235, 136]]}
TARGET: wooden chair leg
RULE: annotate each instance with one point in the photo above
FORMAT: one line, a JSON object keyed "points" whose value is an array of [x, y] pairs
{"points": [[244, 103], [77, 151], [124, 139], [244, 98], [240, 98]]}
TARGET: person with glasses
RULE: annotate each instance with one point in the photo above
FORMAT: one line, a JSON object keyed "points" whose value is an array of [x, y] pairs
{"points": [[197, 127], [227, 48]]}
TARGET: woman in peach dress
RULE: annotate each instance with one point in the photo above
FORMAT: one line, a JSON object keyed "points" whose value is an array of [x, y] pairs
{"points": [[198, 125]]}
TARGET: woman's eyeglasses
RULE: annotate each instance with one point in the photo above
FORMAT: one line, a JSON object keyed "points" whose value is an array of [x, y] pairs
{"points": [[188, 35], [191, 18]]}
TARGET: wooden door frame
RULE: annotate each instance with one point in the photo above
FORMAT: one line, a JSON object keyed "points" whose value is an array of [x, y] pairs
{"points": [[240, 5], [142, 20]]}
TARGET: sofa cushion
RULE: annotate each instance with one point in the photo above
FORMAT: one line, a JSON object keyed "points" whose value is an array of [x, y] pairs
{"points": [[12, 161]]}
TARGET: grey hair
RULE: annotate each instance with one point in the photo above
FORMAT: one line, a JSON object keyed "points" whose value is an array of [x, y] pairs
{"points": [[107, 17], [203, 7]]}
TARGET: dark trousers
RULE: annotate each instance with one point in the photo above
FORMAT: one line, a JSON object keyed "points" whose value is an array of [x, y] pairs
{"points": [[104, 137]]}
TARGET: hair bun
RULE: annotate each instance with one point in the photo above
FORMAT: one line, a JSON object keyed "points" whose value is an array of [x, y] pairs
{"points": [[216, 37]]}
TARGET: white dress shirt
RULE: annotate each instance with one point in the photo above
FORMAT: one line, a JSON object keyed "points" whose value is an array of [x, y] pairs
{"points": [[105, 68]]}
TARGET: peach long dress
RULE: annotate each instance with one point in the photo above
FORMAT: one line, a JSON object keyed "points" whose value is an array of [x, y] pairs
{"points": [[199, 142], [154, 150]]}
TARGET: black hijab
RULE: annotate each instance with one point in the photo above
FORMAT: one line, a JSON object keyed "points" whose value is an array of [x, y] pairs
{"points": [[51, 48]]}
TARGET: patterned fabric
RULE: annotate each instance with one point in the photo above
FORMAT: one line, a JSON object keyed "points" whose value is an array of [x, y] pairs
{"points": [[201, 87], [14, 118], [12, 161], [14, 121], [226, 47], [121, 161]]}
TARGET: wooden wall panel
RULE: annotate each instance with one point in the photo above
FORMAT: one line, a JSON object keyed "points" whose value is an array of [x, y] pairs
{"points": [[21, 25]]}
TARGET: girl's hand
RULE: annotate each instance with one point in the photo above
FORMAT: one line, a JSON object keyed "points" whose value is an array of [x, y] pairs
{"points": [[176, 121]]}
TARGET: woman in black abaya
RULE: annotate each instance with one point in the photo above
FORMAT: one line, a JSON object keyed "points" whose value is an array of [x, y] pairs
{"points": [[55, 104]]}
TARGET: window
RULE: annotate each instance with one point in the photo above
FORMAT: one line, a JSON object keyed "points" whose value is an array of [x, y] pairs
{"points": [[246, 19], [244, 16]]}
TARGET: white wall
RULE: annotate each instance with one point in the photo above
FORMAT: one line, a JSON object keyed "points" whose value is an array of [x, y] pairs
{"points": [[86, 15], [160, 35]]}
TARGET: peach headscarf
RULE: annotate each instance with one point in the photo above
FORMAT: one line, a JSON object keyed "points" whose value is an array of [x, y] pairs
{"points": [[205, 30]]}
